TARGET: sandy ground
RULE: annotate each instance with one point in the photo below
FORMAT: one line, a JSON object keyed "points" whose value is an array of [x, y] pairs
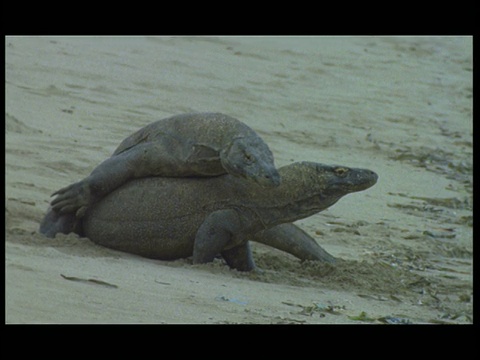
{"points": [[399, 106]]}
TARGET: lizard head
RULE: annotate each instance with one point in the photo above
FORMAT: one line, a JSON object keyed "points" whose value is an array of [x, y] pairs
{"points": [[308, 188], [319, 185], [344, 180], [250, 159]]}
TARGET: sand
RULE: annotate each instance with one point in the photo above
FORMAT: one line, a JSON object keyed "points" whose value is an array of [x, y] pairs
{"points": [[399, 106]]}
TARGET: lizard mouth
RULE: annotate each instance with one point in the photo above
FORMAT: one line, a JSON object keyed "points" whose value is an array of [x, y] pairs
{"points": [[261, 175], [369, 179], [271, 179], [362, 180]]}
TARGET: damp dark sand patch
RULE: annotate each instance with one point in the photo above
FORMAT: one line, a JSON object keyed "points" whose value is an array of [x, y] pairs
{"points": [[443, 210], [379, 278], [438, 161], [415, 282]]}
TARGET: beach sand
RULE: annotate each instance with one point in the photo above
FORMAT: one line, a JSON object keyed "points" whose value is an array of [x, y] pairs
{"points": [[400, 106]]}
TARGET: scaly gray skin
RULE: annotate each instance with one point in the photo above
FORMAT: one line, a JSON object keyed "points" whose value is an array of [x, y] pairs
{"points": [[165, 218], [198, 144]]}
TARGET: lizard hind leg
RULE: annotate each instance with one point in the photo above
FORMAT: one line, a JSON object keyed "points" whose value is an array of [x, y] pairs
{"points": [[240, 257], [54, 223], [214, 235]]}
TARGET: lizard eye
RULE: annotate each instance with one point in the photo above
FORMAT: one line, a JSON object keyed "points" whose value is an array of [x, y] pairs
{"points": [[341, 171], [248, 158]]}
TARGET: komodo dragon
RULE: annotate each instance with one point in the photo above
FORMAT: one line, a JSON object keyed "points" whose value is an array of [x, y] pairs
{"points": [[171, 218], [196, 144]]}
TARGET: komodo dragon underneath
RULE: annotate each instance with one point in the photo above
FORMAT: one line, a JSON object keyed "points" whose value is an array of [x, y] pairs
{"points": [[172, 218]]}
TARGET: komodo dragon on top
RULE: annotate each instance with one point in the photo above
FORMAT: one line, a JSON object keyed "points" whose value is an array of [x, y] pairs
{"points": [[196, 144], [171, 218]]}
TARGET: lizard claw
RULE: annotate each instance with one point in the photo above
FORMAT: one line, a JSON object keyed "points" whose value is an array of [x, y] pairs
{"points": [[72, 198]]}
